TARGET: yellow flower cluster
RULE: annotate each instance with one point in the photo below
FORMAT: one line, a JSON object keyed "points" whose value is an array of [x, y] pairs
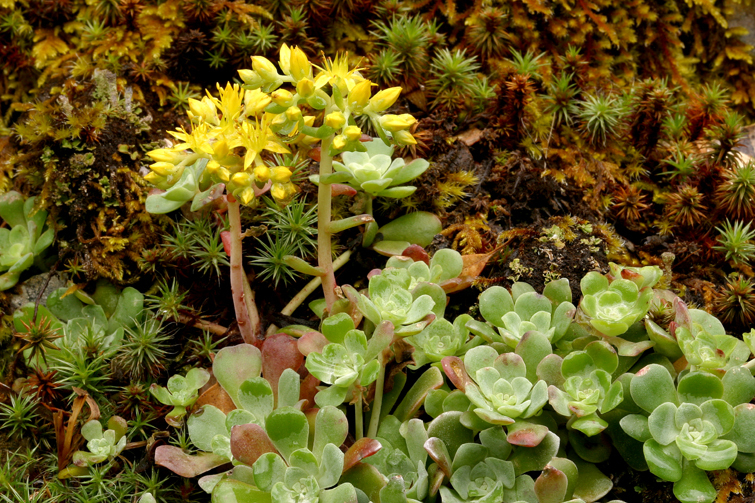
{"points": [[234, 128], [231, 131]]}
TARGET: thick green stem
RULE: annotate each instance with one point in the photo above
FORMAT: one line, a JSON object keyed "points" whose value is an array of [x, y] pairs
{"points": [[324, 251], [377, 403], [247, 316], [358, 419]]}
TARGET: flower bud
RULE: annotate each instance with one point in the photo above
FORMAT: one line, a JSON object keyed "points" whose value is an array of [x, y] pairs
{"points": [[203, 109], [265, 68], [242, 179], [215, 169], [305, 88], [285, 59], [245, 195], [339, 142], [384, 99], [282, 192], [153, 178], [262, 173], [281, 174], [300, 66], [282, 97], [404, 138], [166, 155], [251, 78], [293, 114], [359, 96], [353, 133], [163, 168], [395, 123], [336, 120]]}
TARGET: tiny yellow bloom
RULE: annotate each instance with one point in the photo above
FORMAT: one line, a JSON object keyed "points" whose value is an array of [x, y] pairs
{"points": [[251, 78], [336, 120], [404, 138], [300, 65], [305, 88], [166, 155], [353, 133], [262, 173], [242, 179], [246, 195], [281, 174], [282, 97], [163, 168], [359, 95], [282, 192], [153, 178], [220, 148], [339, 142], [203, 109], [293, 114], [285, 59], [265, 68], [383, 100], [395, 123], [255, 102]]}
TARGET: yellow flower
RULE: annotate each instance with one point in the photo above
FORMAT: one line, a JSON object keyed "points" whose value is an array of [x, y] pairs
{"points": [[282, 192], [203, 110], [245, 195], [163, 168], [251, 78], [229, 103], [336, 120], [265, 68], [242, 179], [199, 140], [293, 114], [281, 174], [339, 142], [359, 96], [337, 72], [215, 169], [383, 100], [256, 137], [305, 88], [255, 102], [301, 68], [404, 138], [395, 123], [353, 133], [282, 97], [166, 155], [262, 173]]}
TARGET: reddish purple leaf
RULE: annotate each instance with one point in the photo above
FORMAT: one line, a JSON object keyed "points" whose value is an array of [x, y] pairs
{"points": [[279, 352], [362, 448], [249, 442], [186, 465]]}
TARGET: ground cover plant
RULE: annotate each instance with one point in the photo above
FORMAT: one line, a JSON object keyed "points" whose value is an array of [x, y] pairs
{"points": [[493, 253]]}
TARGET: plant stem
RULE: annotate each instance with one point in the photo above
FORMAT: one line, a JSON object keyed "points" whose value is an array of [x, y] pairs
{"points": [[324, 252], [377, 403], [359, 427], [247, 316], [213, 328], [310, 287]]}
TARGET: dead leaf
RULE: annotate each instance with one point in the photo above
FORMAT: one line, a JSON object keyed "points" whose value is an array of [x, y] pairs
{"points": [[470, 136]]}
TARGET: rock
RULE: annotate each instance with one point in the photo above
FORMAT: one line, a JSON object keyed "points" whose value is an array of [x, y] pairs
{"points": [[29, 290]]}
